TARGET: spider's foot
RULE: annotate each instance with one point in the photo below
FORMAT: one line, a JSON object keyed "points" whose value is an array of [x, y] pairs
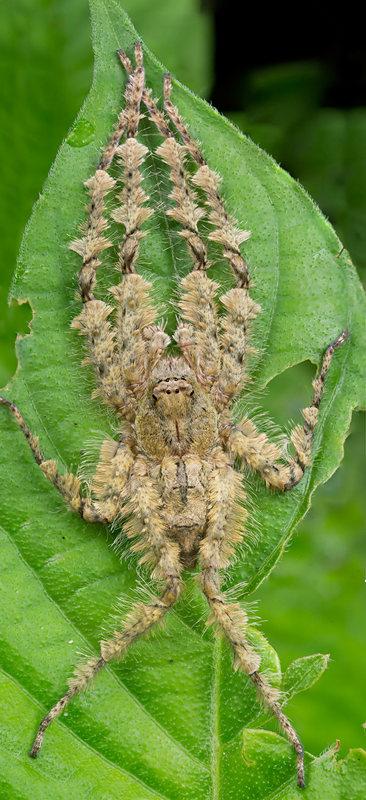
{"points": [[300, 769], [37, 744]]}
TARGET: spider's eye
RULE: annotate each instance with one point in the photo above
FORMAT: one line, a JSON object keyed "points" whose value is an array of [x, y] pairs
{"points": [[176, 391], [168, 391]]}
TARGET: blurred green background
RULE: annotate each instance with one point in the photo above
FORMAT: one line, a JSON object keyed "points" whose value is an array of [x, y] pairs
{"points": [[315, 600]]}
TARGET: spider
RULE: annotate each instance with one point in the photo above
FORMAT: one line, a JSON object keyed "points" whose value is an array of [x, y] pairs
{"points": [[174, 472]]}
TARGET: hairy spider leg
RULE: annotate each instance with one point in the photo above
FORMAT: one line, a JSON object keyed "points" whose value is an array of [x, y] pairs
{"points": [[233, 338], [224, 530], [211, 352], [159, 551], [142, 617], [124, 354], [225, 230], [257, 452], [232, 620], [116, 457]]}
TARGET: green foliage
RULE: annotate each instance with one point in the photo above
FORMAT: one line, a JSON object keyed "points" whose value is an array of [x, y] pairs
{"points": [[172, 720], [181, 32], [44, 76]]}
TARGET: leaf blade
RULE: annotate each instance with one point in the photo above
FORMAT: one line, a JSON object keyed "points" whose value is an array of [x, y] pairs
{"points": [[178, 759]]}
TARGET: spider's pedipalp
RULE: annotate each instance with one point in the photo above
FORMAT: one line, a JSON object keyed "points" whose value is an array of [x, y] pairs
{"points": [[198, 332]]}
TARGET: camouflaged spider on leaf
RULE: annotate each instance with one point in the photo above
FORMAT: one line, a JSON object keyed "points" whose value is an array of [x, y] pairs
{"points": [[174, 471]]}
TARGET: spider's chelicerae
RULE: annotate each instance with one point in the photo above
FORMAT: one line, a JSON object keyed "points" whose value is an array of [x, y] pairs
{"points": [[173, 472]]}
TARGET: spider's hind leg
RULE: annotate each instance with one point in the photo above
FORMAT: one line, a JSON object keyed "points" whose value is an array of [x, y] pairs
{"points": [[231, 618], [164, 555], [141, 618], [224, 530]]}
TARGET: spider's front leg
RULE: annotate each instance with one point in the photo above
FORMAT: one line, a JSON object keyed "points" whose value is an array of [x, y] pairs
{"points": [[255, 450], [159, 551], [225, 523], [121, 354]]}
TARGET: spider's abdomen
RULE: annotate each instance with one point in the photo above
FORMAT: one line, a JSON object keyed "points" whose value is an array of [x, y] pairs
{"points": [[184, 494]]}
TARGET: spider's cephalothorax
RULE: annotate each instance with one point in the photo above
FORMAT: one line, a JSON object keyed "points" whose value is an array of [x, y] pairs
{"points": [[174, 474], [176, 415]]}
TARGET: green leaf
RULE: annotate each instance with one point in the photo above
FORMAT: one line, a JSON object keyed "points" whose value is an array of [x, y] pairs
{"points": [[167, 27], [332, 167], [32, 123], [171, 719], [303, 673]]}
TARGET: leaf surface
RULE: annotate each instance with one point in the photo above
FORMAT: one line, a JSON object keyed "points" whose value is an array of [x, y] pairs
{"points": [[172, 720]]}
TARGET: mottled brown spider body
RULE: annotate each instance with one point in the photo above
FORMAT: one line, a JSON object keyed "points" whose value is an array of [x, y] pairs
{"points": [[175, 472], [177, 428]]}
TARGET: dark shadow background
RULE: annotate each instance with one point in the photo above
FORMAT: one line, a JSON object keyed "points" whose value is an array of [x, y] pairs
{"points": [[247, 39]]}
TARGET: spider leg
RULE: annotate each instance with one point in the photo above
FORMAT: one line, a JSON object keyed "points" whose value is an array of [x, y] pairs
{"points": [[217, 357], [244, 441], [164, 553], [198, 332], [215, 550], [115, 462], [240, 308], [141, 618], [225, 230], [140, 341], [93, 322], [231, 618], [134, 344]]}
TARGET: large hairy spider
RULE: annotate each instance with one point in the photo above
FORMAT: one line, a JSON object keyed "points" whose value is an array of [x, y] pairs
{"points": [[174, 471]]}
